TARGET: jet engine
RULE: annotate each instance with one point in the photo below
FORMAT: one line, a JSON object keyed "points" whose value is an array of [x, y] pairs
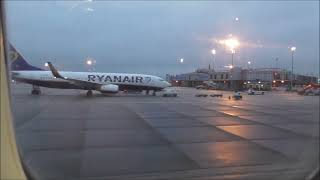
{"points": [[109, 88]]}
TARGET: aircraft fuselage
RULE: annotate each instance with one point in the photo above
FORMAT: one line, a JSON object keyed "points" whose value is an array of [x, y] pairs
{"points": [[123, 80]]}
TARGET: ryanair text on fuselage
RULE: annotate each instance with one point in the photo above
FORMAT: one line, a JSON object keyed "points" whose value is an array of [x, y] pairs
{"points": [[117, 78]]}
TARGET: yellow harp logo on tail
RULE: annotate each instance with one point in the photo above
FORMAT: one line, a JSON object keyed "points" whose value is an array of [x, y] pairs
{"points": [[13, 55]]}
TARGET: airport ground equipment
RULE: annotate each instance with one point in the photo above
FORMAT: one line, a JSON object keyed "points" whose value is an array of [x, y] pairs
{"points": [[201, 95], [216, 95]]}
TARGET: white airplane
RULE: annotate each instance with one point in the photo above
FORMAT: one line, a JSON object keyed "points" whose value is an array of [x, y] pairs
{"points": [[22, 71]]}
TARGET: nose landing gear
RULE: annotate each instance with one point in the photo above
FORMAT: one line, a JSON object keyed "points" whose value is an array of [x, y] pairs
{"points": [[89, 93], [35, 90]]}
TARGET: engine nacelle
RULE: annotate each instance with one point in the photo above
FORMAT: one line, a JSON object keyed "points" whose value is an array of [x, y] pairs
{"points": [[109, 88]]}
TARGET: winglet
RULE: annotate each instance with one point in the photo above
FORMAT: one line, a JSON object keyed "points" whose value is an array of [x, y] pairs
{"points": [[54, 71]]}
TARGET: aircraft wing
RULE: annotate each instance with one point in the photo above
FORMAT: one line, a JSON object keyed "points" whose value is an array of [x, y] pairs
{"points": [[84, 84], [77, 82]]}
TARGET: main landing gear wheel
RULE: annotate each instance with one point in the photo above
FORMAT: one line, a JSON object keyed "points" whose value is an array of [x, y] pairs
{"points": [[35, 92], [89, 93], [147, 92], [154, 93]]}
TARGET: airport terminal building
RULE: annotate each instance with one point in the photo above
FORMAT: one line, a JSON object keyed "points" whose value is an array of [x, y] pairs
{"points": [[238, 78]]}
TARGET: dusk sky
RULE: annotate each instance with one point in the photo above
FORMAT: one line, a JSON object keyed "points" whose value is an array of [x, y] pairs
{"points": [[151, 37]]}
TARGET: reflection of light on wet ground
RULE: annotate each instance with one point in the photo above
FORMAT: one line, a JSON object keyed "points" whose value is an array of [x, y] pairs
{"points": [[229, 157]]}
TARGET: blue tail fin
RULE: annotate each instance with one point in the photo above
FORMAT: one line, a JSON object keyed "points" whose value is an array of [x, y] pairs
{"points": [[18, 63]]}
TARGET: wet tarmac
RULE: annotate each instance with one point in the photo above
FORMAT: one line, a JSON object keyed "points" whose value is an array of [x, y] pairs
{"points": [[65, 135]]}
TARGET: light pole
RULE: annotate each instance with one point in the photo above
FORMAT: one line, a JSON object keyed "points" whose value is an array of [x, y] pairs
{"points": [[213, 51], [293, 49], [181, 66], [232, 54], [90, 62], [249, 62], [231, 44], [231, 68]]}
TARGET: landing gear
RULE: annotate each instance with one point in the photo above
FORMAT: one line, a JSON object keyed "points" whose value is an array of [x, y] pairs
{"points": [[89, 93], [153, 92], [35, 90]]}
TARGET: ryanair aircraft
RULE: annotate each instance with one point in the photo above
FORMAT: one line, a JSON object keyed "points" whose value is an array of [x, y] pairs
{"points": [[22, 71]]}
